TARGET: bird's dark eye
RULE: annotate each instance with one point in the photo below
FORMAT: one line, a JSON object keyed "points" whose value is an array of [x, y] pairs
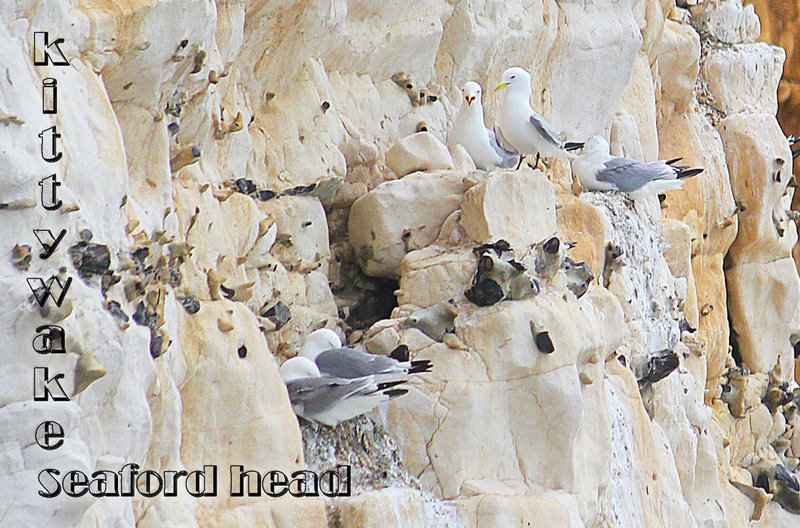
{"points": [[513, 76]]}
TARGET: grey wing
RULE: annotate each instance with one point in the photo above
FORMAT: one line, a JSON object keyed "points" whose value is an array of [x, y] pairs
{"points": [[350, 363], [508, 153], [546, 130], [317, 395], [630, 175]]}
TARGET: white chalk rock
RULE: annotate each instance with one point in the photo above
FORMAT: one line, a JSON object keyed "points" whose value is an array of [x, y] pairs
{"points": [[517, 206], [763, 301], [727, 21], [418, 152], [399, 216], [389, 508], [760, 166], [432, 275], [745, 77], [678, 53], [540, 510]]}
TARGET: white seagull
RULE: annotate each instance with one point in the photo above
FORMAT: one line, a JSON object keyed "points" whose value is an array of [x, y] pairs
{"points": [[324, 348], [525, 130], [469, 131], [598, 170], [329, 400]]}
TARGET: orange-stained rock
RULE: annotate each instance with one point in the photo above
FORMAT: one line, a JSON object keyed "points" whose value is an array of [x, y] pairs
{"points": [[780, 25], [712, 309], [760, 166], [678, 55], [764, 299], [582, 223], [703, 204]]}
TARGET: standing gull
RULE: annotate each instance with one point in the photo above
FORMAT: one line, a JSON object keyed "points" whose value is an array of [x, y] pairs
{"points": [[522, 128], [470, 132], [598, 170], [324, 348], [330, 400]]}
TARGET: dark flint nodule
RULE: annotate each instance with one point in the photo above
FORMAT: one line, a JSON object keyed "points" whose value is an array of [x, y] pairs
{"points": [[300, 189], [265, 195], [90, 259], [544, 343], [189, 303], [244, 186]]}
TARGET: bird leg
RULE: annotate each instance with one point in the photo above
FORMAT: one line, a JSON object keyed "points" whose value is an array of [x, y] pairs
{"points": [[521, 157], [535, 164]]}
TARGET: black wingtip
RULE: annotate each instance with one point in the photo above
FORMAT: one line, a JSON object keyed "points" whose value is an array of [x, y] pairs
{"points": [[673, 161], [420, 366], [572, 145], [688, 173], [400, 353], [389, 384], [394, 393]]}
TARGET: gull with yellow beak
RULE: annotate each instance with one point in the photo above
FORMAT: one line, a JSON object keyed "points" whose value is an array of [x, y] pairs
{"points": [[469, 131], [522, 128]]}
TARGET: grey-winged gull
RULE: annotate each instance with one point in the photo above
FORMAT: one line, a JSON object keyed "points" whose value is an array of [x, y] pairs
{"points": [[598, 170], [325, 349], [522, 128], [329, 400]]}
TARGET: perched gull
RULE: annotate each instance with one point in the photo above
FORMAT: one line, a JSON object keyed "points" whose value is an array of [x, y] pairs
{"points": [[324, 348], [330, 400], [598, 170], [522, 128], [470, 132]]}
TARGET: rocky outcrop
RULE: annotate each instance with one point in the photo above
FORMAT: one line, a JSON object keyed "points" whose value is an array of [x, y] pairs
{"points": [[779, 21], [237, 174]]}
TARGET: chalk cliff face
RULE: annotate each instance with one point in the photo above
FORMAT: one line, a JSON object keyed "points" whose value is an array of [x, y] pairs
{"points": [[255, 173], [779, 21]]}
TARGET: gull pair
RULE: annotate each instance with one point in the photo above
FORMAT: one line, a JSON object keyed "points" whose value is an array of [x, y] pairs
{"points": [[329, 383], [521, 131]]}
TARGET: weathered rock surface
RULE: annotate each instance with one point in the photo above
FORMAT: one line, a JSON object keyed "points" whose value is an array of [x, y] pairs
{"points": [[779, 22], [241, 164]]}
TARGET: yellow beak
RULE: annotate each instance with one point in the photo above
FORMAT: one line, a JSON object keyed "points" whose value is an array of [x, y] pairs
{"points": [[500, 87]]}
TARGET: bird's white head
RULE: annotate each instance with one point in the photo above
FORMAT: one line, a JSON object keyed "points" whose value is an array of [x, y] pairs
{"points": [[472, 93], [516, 79], [319, 341], [596, 145], [298, 367]]}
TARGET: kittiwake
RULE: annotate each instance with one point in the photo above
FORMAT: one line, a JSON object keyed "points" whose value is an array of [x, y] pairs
{"points": [[525, 130], [330, 400], [470, 132], [598, 170], [324, 348]]}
